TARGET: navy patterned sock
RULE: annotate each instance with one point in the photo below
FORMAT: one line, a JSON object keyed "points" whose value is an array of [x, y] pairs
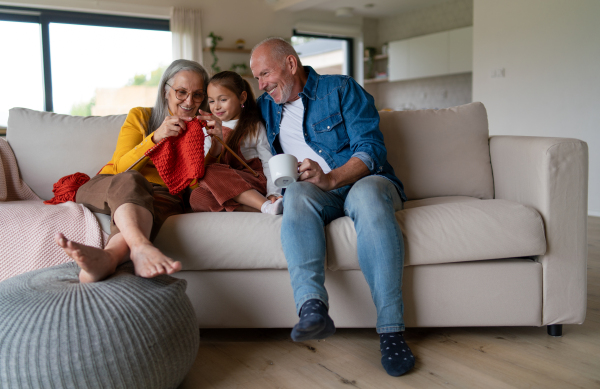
{"points": [[396, 356], [314, 323]]}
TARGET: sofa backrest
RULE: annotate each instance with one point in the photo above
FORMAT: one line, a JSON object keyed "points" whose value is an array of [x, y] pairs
{"points": [[443, 152], [435, 153], [49, 146]]}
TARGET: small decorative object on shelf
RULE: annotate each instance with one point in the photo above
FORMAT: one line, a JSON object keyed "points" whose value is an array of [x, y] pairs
{"points": [[214, 40], [239, 44], [370, 56], [384, 49], [240, 68]]}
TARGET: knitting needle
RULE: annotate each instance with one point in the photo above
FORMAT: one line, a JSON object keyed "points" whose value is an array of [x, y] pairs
{"points": [[214, 137], [144, 156], [234, 154], [135, 163]]}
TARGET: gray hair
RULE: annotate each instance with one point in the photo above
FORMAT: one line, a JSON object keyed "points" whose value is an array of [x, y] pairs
{"points": [[161, 107], [280, 49]]}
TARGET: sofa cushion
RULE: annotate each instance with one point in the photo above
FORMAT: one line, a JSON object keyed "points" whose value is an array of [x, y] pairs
{"points": [[452, 232], [223, 240], [49, 146], [437, 200], [441, 230], [442, 152]]}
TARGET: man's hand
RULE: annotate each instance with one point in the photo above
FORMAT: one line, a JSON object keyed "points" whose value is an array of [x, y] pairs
{"points": [[349, 173], [310, 171]]}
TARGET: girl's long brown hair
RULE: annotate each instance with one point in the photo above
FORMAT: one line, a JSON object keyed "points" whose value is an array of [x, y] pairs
{"points": [[250, 117]]}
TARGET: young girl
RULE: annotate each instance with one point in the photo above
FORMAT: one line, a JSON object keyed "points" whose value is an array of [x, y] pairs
{"points": [[227, 184]]}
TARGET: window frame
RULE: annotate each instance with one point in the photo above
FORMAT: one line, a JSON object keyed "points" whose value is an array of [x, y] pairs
{"points": [[44, 17], [349, 45]]}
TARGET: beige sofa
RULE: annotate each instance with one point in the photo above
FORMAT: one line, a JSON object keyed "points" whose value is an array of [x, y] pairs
{"points": [[494, 229]]}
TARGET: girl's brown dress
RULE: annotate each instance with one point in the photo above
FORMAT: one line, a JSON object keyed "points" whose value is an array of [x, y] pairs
{"points": [[226, 179]]}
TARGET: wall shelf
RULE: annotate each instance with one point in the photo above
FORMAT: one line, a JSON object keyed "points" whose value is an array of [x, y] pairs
{"points": [[375, 80], [377, 57], [229, 50]]}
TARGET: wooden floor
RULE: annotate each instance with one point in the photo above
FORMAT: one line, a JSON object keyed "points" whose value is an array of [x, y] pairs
{"points": [[497, 357]]}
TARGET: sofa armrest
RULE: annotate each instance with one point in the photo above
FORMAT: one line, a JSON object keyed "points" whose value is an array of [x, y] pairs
{"points": [[12, 188], [551, 176], [4, 169]]}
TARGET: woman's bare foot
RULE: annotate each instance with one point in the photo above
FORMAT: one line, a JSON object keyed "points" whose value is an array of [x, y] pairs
{"points": [[150, 262], [96, 264]]}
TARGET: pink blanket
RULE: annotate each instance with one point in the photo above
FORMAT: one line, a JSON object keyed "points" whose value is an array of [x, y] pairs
{"points": [[28, 225]]}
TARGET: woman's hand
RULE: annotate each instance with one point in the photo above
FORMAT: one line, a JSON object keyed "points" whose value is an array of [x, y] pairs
{"points": [[171, 126]]}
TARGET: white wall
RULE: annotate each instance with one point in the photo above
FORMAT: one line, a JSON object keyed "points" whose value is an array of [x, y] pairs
{"points": [[550, 51]]}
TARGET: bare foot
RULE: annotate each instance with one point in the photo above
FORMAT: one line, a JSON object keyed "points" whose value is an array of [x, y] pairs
{"points": [[150, 262], [96, 264]]}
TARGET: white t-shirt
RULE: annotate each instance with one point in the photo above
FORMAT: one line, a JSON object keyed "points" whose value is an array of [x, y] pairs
{"points": [[291, 137], [253, 147]]}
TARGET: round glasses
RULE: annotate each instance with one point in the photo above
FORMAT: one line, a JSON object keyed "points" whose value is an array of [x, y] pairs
{"points": [[182, 95]]}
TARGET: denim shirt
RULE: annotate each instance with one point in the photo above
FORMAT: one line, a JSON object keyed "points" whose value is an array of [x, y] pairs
{"points": [[340, 122]]}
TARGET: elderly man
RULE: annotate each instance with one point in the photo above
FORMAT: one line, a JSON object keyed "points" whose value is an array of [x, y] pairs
{"points": [[330, 124]]}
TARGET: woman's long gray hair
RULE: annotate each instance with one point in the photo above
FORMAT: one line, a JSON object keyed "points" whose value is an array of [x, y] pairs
{"points": [[161, 107]]}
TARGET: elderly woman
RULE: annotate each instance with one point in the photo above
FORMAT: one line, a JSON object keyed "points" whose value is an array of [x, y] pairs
{"points": [[138, 199]]}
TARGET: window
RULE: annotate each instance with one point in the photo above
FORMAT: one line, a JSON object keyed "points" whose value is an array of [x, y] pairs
{"points": [[21, 73], [80, 64], [105, 70], [327, 55]]}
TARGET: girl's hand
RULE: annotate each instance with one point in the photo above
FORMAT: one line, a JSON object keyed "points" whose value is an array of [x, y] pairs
{"points": [[171, 126], [274, 198], [214, 125]]}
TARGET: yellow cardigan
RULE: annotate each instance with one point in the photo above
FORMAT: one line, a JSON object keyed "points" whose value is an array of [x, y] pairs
{"points": [[131, 146]]}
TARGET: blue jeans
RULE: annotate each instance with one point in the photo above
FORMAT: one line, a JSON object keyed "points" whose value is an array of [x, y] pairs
{"points": [[371, 203]]}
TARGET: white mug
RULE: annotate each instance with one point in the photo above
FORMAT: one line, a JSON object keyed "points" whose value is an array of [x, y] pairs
{"points": [[284, 169]]}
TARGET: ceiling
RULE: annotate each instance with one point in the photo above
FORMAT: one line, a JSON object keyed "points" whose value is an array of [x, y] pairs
{"points": [[366, 8]]}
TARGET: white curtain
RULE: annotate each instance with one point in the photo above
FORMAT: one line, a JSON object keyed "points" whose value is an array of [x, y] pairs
{"points": [[186, 34]]}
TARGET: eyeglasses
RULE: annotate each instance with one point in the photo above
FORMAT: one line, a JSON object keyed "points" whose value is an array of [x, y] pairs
{"points": [[182, 95]]}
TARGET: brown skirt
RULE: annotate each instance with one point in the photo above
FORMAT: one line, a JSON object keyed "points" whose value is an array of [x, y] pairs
{"points": [[106, 192], [221, 183]]}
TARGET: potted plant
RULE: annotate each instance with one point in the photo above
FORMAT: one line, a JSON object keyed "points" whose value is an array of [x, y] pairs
{"points": [[214, 40], [240, 68]]}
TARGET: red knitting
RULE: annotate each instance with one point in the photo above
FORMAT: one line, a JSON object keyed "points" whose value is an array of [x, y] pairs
{"points": [[180, 160], [65, 189]]}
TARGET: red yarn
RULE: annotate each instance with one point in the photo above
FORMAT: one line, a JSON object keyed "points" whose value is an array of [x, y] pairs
{"points": [[66, 188], [180, 160]]}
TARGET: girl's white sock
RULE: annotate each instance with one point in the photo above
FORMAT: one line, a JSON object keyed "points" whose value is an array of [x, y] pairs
{"points": [[275, 208]]}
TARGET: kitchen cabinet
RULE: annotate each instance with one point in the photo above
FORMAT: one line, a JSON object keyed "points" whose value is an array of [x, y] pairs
{"points": [[448, 52], [398, 56]]}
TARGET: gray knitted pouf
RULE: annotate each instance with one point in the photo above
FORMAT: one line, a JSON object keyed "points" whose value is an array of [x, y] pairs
{"points": [[124, 332]]}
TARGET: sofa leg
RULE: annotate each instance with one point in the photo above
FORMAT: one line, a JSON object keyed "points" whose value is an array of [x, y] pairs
{"points": [[555, 330]]}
